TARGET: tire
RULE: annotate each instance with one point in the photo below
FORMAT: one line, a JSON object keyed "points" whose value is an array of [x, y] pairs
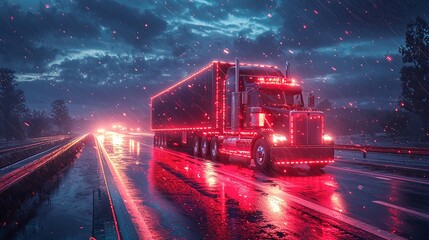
{"points": [[165, 141], [205, 147], [214, 149], [196, 150], [215, 154], [261, 155], [155, 140], [317, 166]]}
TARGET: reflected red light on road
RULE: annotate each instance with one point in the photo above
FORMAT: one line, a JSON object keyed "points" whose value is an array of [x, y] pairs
{"points": [[226, 207], [337, 202], [275, 203], [209, 175]]}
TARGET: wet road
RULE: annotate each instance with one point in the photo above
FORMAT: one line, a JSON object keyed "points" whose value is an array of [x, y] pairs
{"points": [[174, 195]]}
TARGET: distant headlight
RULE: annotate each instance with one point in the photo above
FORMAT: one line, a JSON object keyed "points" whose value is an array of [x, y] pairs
{"points": [[327, 138], [277, 138]]}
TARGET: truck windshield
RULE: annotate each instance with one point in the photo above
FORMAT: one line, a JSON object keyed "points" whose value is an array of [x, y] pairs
{"points": [[275, 97]]}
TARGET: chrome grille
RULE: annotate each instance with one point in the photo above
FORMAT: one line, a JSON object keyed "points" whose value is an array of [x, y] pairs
{"points": [[306, 128]]}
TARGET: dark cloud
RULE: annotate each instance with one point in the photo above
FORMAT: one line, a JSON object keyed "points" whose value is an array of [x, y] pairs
{"points": [[113, 54], [311, 24], [25, 36], [266, 46], [135, 27], [96, 70], [255, 6]]}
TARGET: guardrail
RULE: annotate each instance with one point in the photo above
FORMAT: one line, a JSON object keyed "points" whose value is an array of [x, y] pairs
{"points": [[15, 176], [394, 150]]}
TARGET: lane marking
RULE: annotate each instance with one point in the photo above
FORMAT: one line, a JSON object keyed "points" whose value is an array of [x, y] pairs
{"points": [[380, 163], [383, 178], [313, 206], [423, 215], [375, 175]]}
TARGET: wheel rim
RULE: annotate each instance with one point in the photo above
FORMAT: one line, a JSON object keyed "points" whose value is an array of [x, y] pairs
{"points": [[204, 147], [260, 155], [214, 150], [195, 147]]}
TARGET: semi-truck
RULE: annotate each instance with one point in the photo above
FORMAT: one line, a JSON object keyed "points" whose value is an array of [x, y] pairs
{"points": [[251, 111]]}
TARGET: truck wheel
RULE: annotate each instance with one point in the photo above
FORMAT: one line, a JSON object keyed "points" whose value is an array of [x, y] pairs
{"points": [[205, 148], [215, 153], [317, 166], [164, 140], [155, 140], [196, 146], [214, 149], [158, 140], [261, 154]]}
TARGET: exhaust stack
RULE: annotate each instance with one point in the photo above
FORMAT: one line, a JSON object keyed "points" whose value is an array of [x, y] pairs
{"points": [[287, 72], [235, 100]]}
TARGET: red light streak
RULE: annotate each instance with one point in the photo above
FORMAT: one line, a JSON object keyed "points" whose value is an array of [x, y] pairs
{"points": [[277, 81], [291, 130], [181, 129], [238, 153], [217, 95], [303, 162], [184, 80]]}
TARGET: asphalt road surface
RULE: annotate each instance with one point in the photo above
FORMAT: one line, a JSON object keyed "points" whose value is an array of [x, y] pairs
{"points": [[174, 195]]}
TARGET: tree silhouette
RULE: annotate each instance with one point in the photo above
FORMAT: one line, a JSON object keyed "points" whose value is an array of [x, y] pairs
{"points": [[415, 72], [38, 123], [12, 106], [60, 115]]}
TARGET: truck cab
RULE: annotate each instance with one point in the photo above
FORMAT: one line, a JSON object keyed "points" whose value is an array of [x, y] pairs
{"points": [[274, 126]]}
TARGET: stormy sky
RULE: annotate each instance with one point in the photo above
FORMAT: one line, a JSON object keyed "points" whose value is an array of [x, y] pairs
{"points": [[107, 57]]}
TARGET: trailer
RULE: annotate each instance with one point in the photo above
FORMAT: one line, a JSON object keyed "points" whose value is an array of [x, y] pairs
{"points": [[246, 110]]}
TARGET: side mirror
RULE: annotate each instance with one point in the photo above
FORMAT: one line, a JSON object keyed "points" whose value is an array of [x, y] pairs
{"points": [[245, 98], [311, 100]]}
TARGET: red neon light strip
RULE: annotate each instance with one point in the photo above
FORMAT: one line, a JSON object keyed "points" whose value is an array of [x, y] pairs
{"points": [[304, 162], [323, 126], [205, 68], [291, 130], [182, 129], [241, 133], [237, 153], [217, 95], [184, 80], [250, 64]]}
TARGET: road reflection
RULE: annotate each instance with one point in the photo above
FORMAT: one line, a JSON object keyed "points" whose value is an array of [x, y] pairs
{"points": [[183, 197], [225, 207]]}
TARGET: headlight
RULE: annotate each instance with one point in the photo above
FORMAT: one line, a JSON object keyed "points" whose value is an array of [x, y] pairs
{"points": [[278, 138], [327, 138]]}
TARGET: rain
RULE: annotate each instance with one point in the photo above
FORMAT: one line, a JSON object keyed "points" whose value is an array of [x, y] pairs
{"points": [[125, 119]]}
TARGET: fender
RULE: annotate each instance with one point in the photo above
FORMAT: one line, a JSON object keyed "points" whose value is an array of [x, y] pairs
{"points": [[263, 134]]}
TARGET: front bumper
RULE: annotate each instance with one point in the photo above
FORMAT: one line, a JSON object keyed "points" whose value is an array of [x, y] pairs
{"points": [[302, 154]]}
